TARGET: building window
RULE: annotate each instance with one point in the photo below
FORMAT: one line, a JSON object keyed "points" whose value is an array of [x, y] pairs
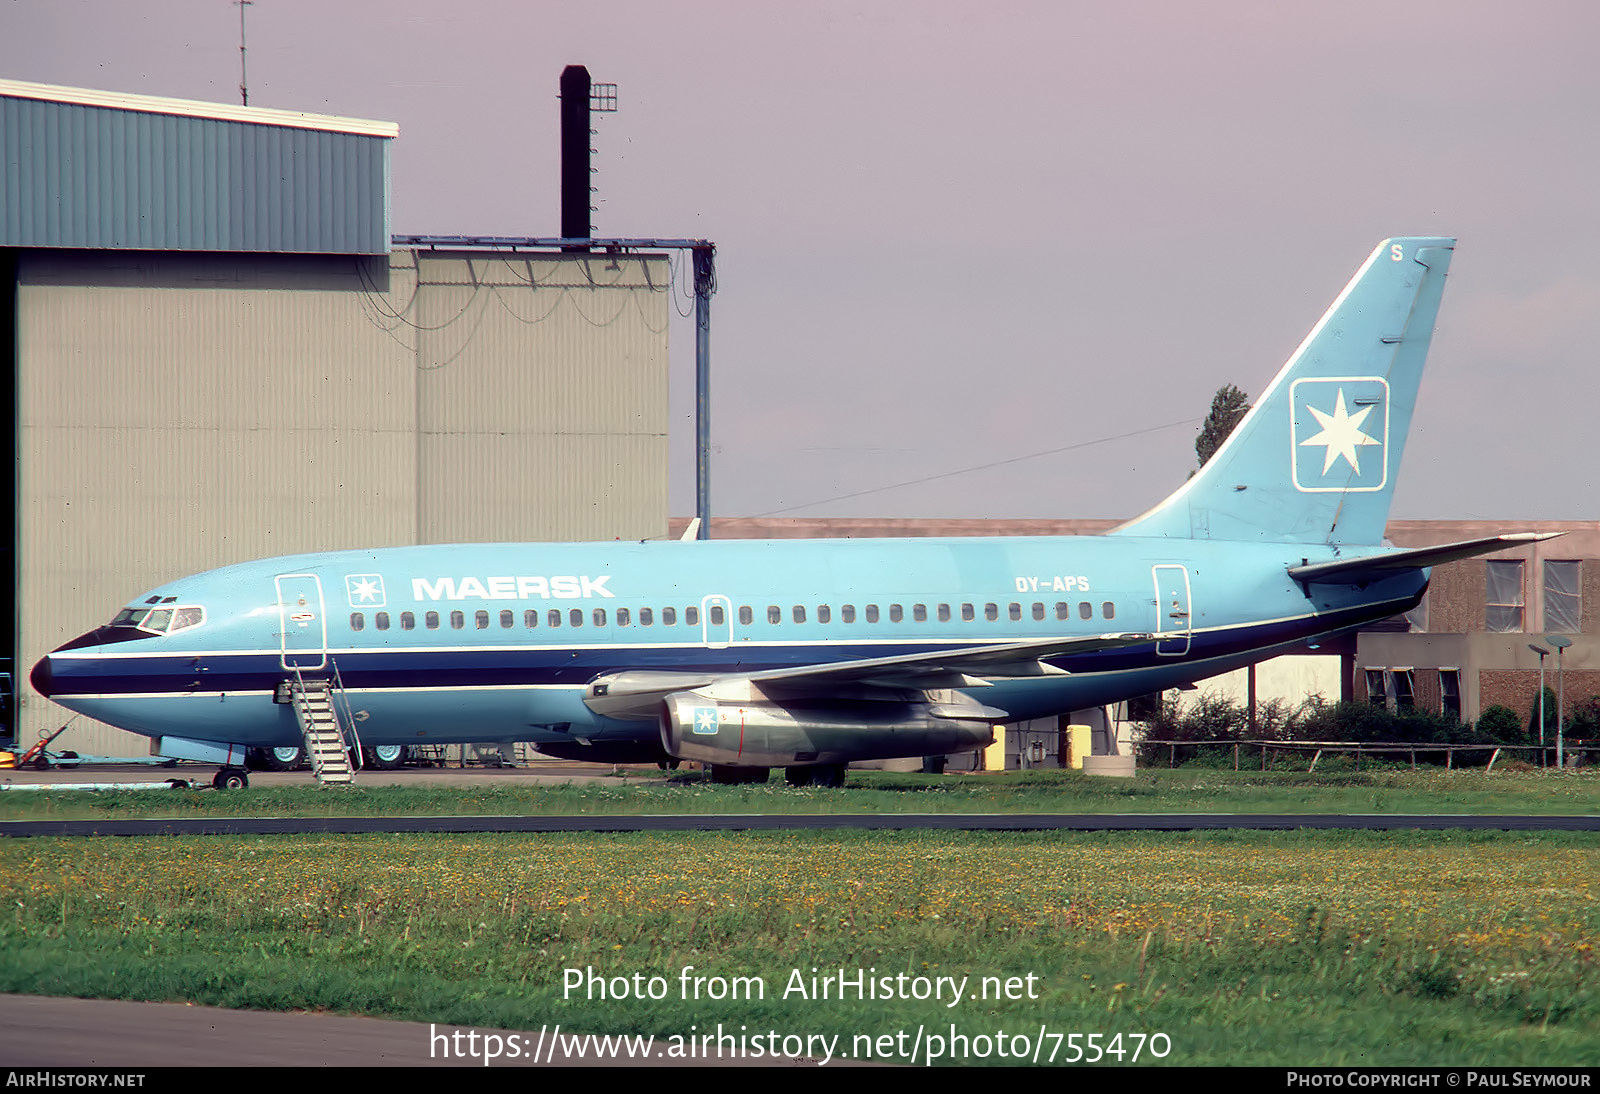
{"points": [[1395, 689], [1377, 689], [1403, 684], [1563, 604], [1450, 694], [1502, 596]]}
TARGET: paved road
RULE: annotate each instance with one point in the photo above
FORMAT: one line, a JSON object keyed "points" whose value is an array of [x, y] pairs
{"points": [[41, 1031], [752, 822]]}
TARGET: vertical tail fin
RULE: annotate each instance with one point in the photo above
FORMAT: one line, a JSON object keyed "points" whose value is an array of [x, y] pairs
{"points": [[1315, 459]]}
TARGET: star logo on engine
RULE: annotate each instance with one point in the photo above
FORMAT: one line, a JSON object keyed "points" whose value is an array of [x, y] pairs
{"points": [[1340, 428], [705, 720]]}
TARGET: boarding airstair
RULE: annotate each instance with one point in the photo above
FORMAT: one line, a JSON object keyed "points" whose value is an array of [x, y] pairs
{"points": [[328, 745]]}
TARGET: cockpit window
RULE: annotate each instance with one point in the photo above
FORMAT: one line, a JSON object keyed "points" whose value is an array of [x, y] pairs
{"points": [[161, 620]]}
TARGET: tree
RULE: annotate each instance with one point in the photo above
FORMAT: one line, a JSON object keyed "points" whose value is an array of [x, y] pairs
{"points": [[1228, 406]]}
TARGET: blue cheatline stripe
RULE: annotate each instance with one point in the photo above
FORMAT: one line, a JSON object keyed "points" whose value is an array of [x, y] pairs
{"points": [[575, 667]]}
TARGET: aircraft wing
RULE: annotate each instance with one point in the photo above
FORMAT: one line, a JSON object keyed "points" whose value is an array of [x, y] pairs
{"points": [[635, 694], [1359, 571]]}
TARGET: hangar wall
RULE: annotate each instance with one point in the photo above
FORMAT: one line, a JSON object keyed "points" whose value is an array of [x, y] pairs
{"points": [[179, 411]]}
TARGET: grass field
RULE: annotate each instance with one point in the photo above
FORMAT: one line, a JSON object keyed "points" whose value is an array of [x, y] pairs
{"points": [[1243, 948], [1387, 789]]}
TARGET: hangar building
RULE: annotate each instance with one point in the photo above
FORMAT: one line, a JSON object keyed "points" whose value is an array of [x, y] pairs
{"points": [[217, 354]]}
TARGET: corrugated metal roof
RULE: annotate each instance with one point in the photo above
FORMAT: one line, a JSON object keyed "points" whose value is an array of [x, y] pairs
{"points": [[96, 170]]}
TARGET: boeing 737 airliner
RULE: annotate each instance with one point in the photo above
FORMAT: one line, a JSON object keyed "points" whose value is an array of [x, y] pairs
{"points": [[807, 654]]}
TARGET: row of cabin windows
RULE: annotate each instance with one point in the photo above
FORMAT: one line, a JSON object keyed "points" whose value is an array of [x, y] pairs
{"points": [[646, 617]]}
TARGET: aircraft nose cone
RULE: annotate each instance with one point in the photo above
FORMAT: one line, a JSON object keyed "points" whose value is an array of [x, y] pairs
{"points": [[42, 677]]}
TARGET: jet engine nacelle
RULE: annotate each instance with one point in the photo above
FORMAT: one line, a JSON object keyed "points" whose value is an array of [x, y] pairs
{"points": [[774, 734]]}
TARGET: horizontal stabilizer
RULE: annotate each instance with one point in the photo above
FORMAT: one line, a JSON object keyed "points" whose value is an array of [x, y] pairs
{"points": [[1358, 571]]}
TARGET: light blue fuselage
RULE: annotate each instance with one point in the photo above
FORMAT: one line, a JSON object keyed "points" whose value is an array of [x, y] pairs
{"points": [[477, 671]]}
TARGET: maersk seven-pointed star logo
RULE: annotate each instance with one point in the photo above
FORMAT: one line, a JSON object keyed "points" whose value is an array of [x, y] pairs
{"points": [[364, 590], [1340, 433], [705, 720]]}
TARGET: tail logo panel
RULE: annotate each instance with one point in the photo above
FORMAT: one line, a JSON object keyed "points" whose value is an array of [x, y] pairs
{"points": [[1340, 434]]}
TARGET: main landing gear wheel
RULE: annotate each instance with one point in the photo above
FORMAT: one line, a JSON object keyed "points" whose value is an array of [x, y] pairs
{"points": [[386, 757], [231, 778], [828, 775], [276, 759]]}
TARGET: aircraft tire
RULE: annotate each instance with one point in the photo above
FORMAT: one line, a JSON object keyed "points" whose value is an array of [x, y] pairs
{"points": [[280, 759], [231, 778], [829, 775], [386, 757]]}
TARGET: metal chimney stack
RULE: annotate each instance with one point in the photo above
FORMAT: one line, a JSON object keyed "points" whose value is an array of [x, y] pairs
{"points": [[575, 223]]}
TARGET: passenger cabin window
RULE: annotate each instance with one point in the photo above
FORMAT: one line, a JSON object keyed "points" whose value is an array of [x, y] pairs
{"points": [[944, 613], [824, 613], [669, 617], [895, 615], [599, 617], [646, 617], [530, 618], [408, 621], [431, 621], [746, 615], [991, 612], [799, 614], [458, 620], [508, 619], [847, 613], [575, 617], [717, 615], [382, 620], [774, 614], [966, 613], [872, 613], [1014, 610], [1109, 610], [919, 613], [554, 618], [691, 616], [1085, 610], [622, 617], [1063, 610], [480, 620], [1038, 610], [357, 621]]}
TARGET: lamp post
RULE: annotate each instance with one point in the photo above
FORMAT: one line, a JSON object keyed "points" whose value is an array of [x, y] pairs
{"points": [[1560, 642], [1543, 653]]}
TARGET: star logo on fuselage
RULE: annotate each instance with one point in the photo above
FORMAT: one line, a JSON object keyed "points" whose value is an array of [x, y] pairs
{"points": [[364, 590]]}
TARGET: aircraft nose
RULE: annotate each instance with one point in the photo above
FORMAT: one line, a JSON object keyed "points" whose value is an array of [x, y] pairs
{"points": [[43, 677]]}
